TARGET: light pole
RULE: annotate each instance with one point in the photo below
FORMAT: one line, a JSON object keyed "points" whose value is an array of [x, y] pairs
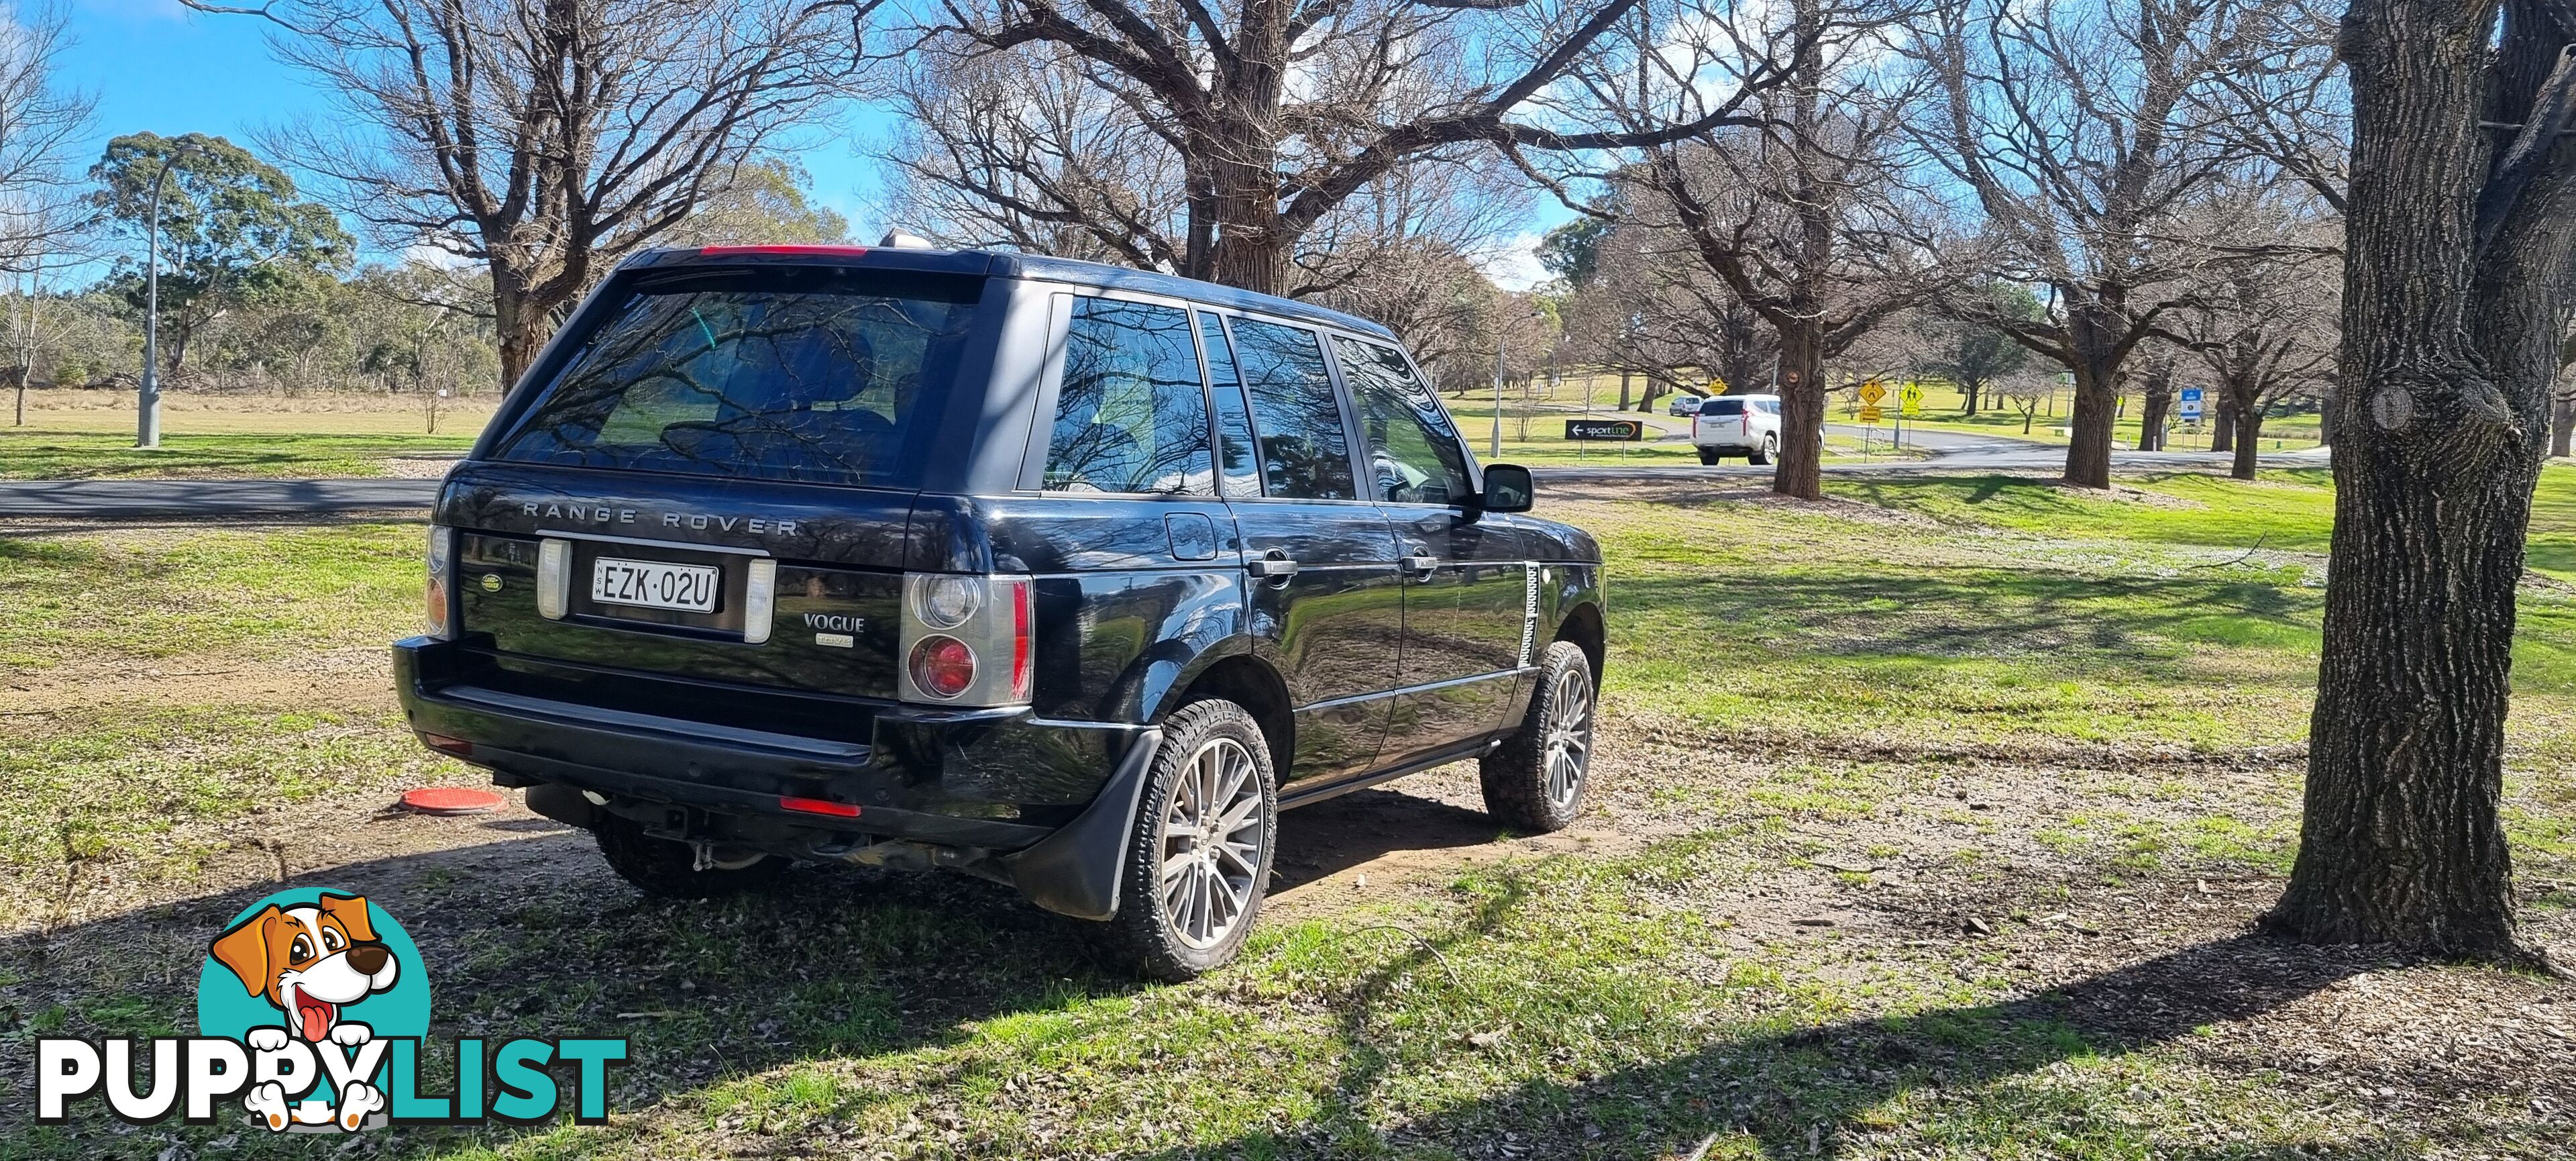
{"points": [[147, 402], [1495, 451]]}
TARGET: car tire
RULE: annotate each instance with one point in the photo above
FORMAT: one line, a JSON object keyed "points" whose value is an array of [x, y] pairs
{"points": [[1534, 782], [1769, 451], [1187, 903], [668, 869], [1708, 458]]}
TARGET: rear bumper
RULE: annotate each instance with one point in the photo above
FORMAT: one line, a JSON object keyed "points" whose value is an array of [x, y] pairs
{"points": [[998, 780]]}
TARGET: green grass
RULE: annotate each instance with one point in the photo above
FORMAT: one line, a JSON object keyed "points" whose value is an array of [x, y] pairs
{"points": [[50, 454], [137, 785], [1625, 1005], [2015, 612], [144, 595]]}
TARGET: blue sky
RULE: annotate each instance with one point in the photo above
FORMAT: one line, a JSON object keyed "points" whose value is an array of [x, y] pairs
{"points": [[155, 65]]}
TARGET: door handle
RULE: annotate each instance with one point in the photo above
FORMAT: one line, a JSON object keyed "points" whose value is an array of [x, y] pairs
{"points": [[1273, 566]]}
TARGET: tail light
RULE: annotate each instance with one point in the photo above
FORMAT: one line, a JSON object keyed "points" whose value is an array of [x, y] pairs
{"points": [[968, 640], [436, 606]]}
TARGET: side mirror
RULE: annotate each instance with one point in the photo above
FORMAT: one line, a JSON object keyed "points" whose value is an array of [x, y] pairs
{"points": [[1508, 488]]}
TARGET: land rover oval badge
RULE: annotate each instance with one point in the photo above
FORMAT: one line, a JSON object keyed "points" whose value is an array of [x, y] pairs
{"points": [[491, 582]]}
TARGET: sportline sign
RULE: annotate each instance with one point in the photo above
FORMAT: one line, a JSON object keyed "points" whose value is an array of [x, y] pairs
{"points": [[313, 1010], [1604, 429]]}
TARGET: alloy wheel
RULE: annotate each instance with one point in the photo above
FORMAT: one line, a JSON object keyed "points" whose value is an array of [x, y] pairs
{"points": [[1569, 735], [1213, 839]]}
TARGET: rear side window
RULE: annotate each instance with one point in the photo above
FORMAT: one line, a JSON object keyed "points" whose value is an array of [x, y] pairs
{"points": [[810, 376], [1130, 415], [1305, 452], [1767, 406], [1242, 472], [1722, 407], [1413, 452]]}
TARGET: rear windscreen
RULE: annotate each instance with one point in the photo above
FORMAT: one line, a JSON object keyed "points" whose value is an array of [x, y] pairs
{"points": [[810, 375], [1722, 407]]}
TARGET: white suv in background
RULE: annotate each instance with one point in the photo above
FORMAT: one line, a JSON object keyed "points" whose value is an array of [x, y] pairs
{"points": [[1738, 425]]}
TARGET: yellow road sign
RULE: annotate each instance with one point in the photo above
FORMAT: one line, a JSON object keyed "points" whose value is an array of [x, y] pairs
{"points": [[1871, 393], [1911, 395], [1871, 414]]}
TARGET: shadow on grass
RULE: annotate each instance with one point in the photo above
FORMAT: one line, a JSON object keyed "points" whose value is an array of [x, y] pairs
{"points": [[2132, 622], [527, 934], [1817, 1091]]}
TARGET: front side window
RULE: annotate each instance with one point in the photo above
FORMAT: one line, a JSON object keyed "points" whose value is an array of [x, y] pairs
{"points": [[1305, 452], [1130, 415], [1414, 456], [810, 376]]}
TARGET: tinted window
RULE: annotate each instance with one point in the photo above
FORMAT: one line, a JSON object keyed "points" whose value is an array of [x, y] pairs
{"points": [[1722, 407], [1233, 423], [1413, 454], [809, 377], [1767, 406], [1304, 450], [1131, 415]]}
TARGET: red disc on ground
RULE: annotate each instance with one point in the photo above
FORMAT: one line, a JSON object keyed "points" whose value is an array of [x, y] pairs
{"points": [[451, 800]]}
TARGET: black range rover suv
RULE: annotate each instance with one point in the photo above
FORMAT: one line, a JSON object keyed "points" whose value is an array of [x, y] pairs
{"points": [[1070, 576]]}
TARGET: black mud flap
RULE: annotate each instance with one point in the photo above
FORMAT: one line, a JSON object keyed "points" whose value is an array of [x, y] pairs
{"points": [[1076, 870]]}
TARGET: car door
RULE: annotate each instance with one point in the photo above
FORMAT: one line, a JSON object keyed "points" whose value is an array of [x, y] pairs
{"points": [[1467, 593], [1320, 560], [1119, 515]]}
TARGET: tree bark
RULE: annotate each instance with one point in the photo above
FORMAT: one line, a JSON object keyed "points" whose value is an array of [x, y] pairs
{"points": [[2153, 408], [1800, 471], [2222, 425], [2096, 329], [2455, 297], [2562, 429], [2248, 445], [1968, 392]]}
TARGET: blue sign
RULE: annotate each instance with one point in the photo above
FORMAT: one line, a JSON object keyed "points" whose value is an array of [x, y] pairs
{"points": [[2190, 404]]}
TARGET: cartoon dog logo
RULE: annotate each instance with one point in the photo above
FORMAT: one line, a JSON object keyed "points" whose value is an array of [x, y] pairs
{"points": [[310, 961]]}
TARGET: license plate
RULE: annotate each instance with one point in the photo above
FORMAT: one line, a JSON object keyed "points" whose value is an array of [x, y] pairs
{"points": [[653, 584]]}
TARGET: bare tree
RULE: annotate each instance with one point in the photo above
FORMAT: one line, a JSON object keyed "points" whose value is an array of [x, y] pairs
{"points": [[42, 213], [1280, 111], [2265, 328], [2461, 235], [1805, 220], [546, 139], [2082, 129]]}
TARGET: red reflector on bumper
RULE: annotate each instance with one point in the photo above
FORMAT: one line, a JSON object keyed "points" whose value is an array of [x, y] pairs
{"points": [[820, 806], [448, 745]]}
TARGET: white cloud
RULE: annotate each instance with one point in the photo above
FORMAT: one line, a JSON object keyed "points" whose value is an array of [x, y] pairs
{"points": [[1513, 264]]}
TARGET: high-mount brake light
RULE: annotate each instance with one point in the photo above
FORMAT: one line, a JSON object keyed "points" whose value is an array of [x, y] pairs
{"points": [[810, 251]]}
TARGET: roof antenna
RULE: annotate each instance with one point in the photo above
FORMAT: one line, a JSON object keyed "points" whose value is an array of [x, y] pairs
{"points": [[898, 240]]}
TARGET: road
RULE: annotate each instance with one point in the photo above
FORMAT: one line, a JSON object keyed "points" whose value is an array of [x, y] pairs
{"points": [[1952, 452]]}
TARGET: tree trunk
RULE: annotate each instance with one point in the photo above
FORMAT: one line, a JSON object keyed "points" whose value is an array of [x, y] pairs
{"points": [[2222, 426], [1623, 390], [1800, 471], [2088, 448], [2562, 428], [518, 324], [2326, 411], [2248, 445], [2094, 333], [2151, 419], [2449, 349], [1968, 396]]}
